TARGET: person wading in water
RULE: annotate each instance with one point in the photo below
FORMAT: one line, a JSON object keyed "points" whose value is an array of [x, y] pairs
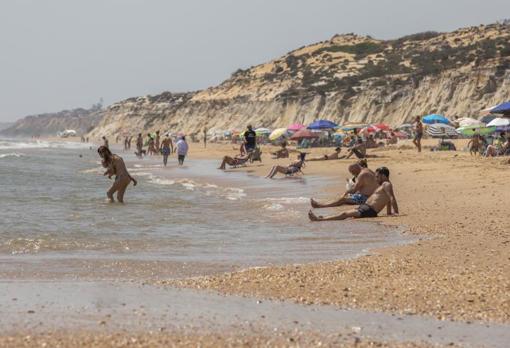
{"points": [[114, 165]]}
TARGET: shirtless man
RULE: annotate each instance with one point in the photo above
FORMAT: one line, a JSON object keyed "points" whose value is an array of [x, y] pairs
{"points": [[115, 166], [157, 141], [359, 149], [418, 133], [139, 146], [382, 197], [365, 185], [335, 155], [167, 147], [105, 142]]}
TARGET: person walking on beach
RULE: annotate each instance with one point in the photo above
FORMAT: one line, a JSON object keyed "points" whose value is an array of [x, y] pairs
{"points": [[126, 141], [130, 139], [151, 150], [250, 139], [418, 133], [115, 165], [139, 145], [382, 197], [365, 184], [167, 148], [157, 141], [205, 137], [182, 149], [105, 142]]}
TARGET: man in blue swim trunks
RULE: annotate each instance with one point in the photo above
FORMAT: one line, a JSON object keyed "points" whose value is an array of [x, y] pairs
{"points": [[382, 197], [364, 186]]}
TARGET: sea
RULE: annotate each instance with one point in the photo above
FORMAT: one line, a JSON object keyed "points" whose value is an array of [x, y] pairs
{"points": [[55, 222]]}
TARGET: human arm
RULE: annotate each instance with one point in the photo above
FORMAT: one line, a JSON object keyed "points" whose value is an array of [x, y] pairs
{"points": [[358, 185], [392, 204]]}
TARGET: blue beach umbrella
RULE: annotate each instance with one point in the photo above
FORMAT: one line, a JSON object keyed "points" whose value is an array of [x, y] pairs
{"points": [[322, 124], [434, 118], [503, 108]]}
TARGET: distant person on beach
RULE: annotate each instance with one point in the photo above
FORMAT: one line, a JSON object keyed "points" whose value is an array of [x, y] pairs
{"points": [[418, 133], [126, 141], [359, 149], [182, 150], [114, 165], [157, 141], [139, 146], [291, 169], [282, 153], [475, 145], [333, 156], [151, 150], [250, 139], [129, 142], [235, 161], [167, 147], [382, 197], [362, 186], [205, 137], [105, 142]]}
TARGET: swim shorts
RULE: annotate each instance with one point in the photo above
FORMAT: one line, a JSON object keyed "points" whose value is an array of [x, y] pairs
{"points": [[358, 198], [366, 211], [418, 136]]}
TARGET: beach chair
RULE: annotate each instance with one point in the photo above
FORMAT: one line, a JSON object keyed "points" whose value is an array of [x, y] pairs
{"points": [[298, 168], [242, 162]]}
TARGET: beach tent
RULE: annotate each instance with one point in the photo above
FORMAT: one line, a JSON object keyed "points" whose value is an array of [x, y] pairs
{"points": [[499, 122], [475, 129], [322, 124], [503, 108], [295, 127], [304, 134], [278, 133], [434, 118], [440, 130]]}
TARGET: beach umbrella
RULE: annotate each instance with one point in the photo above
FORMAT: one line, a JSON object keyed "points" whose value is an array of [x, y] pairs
{"points": [[322, 124], [278, 133], [353, 126], [440, 130], [401, 135], [382, 126], [304, 134], [295, 127], [405, 125], [499, 122], [503, 108], [487, 118], [467, 121], [434, 118], [262, 131], [475, 129]]}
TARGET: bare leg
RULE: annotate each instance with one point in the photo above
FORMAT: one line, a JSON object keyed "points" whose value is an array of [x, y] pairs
{"points": [[342, 216], [227, 160], [336, 203], [111, 191], [122, 189], [275, 170]]}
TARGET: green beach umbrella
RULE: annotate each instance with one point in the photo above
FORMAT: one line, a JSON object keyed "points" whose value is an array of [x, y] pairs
{"points": [[469, 131]]}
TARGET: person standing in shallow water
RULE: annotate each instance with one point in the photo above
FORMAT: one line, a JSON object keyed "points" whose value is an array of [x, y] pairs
{"points": [[418, 133], [166, 148], [205, 137], [105, 142], [157, 142], [115, 165], [182, 149]]}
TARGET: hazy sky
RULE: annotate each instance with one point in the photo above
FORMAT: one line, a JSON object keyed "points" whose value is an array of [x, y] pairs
{"points": [[58, 54]]}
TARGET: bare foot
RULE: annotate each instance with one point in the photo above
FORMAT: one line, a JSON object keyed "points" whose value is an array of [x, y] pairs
{"points": [[314, 203], [313, 217]]}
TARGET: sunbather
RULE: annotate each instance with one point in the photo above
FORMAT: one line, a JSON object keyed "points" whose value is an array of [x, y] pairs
{"points": [[293, 168], [359, 149], [235, 161], [282, 153], [335, 155], [365, 183], [382, 197]]}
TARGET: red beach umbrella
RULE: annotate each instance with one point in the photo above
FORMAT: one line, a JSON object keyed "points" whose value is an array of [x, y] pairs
{"points": [[304, 134]]}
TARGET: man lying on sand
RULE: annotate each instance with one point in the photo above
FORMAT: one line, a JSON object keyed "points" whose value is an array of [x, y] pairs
{"points": [[115, 166], [382, 197], [335, 155], [293, 168], [365, 184]]}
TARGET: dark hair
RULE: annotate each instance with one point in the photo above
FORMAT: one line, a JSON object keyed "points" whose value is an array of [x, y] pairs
{"points": [[104, 150], [383, 171], [338, 148]]}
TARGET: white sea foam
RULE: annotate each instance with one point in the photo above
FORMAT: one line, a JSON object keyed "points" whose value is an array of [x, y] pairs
{"points": [[12, 154], [39, 144]]}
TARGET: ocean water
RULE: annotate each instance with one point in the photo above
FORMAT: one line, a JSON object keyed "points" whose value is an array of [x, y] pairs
{"points": [[55, 221]]}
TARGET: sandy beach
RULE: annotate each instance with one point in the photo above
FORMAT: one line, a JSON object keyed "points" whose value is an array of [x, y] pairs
{"points": [[456, 271], [459, 269]]}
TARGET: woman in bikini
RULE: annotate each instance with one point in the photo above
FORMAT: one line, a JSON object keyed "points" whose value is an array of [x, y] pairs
{"points": [[291, 169], [114, 165]]}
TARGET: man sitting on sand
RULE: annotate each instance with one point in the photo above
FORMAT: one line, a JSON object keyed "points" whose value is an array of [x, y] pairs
{"points": [[335, 155], [382, 197], [365, 184]]}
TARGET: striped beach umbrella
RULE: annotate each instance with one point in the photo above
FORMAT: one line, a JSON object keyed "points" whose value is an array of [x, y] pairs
{"points": [[440, 130]]}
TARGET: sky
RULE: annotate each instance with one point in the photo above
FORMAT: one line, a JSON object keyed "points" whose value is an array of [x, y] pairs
{"points": [[62, 54]]}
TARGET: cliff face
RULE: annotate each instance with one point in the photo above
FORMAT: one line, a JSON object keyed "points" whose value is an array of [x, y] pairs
{"points": [[345, 79], [81, 120]]}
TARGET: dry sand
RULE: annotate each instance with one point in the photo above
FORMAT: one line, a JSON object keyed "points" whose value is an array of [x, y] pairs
{"points": [[459, 269]]}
